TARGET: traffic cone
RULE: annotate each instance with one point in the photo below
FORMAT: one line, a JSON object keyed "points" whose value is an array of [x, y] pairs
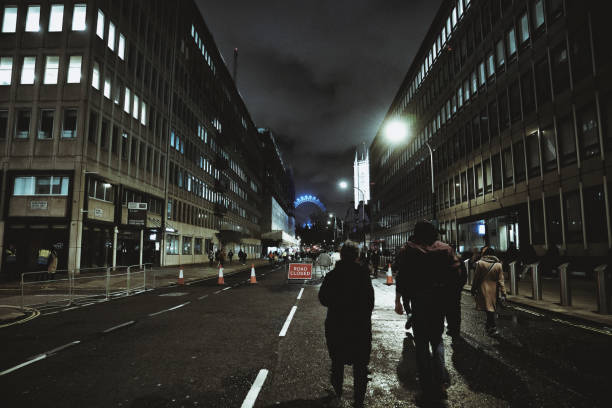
{"points": [[181, 278], [253, 277], [220, 281], [389, 276]]}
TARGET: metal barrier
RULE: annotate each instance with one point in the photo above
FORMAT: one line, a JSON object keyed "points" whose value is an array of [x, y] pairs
{"points": [[47, 288], [514, 288], [604, 301], [564, 287], [536, 280]]}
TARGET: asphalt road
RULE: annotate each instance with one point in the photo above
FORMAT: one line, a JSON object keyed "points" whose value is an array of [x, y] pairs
{"points": [[201, 346]]}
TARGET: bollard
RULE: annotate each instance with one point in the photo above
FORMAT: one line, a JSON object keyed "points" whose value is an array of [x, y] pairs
{"points": [[107, 283], [513, 279], [144, 277], [536, 281], [128, 281], [603, 290], [566, 294]]}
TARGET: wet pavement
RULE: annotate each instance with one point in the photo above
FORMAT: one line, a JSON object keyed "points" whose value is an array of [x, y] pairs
{"points": [[202, 346]]}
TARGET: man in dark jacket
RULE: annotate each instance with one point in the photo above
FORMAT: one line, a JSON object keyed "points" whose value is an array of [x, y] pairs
{"points": [[427, 271], [349, 297]]}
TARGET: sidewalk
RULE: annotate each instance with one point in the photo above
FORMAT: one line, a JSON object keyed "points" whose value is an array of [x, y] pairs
{"points": [[45, 292]]}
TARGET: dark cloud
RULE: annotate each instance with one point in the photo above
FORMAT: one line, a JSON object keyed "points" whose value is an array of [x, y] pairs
{"points": [[320, 73]]}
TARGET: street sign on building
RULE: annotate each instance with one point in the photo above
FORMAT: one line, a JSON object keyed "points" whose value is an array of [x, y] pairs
{"points": [[137, 214], [300, 271]]}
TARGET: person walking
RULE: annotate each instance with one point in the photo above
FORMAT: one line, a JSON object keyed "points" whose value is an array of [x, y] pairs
{"points": [[230, 255], [488, 284], [52, 264], [348, 294], [427, 269], [375, 262]]}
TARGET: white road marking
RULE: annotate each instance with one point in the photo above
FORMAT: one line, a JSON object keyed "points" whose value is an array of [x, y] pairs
{"points": [[70, 308], [202, 297], [528, 311], [581, 326], [119, 326], [300, 295], [167, 310], [251, 397], [283, 331], [17, 367], [60, 348]]}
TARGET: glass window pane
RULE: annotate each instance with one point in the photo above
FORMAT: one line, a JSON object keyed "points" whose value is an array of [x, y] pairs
{"points": [[126, 101], [23, 186], [121, 49], [33, 19], [56, 185], [95, 77], [51, 70], [111, 36], [6, 70], [143, 114], [43, 185], [65, 181], [107, 88], [524, 27], [573, 218], [22, 127], [100, 25], [538, 14], [136, 106], [69, 123], [28, 70], [74, 69], [56, 19], [511, 42], [9, 21], [45, 130], [79, 17]]}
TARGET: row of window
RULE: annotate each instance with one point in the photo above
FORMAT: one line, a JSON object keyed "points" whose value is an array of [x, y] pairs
{"points": [[45, 127], [41, 186], [55, 22], [202, 47], [172, 245], [113, 41], [50, 74]]}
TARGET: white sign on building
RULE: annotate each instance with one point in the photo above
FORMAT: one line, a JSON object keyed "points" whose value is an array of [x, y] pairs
{"points": [[361, 178]]}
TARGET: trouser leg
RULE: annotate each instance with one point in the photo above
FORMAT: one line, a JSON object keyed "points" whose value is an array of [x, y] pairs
{"points": [[453, 314], [423, 360], [360, 382], [490, 320], [337, 376], [439, 372]]}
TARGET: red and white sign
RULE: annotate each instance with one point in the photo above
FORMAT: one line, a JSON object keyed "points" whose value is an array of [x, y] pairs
{"points": [[300, 271]]}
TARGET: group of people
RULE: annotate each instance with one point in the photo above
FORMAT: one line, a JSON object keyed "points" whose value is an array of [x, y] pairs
{"points": [[429, 281], [220, 257]]}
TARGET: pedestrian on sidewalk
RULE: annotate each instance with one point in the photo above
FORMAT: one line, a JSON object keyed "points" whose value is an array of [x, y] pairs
{"points": [[349, 297], [487, 286], [427, 270], [211, 258], [52, 264], [230, 255]]}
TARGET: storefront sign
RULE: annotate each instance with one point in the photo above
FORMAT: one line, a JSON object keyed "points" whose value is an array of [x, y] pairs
{"points": [[137, 214], [300, 271], [39, 205], [98, 212]]}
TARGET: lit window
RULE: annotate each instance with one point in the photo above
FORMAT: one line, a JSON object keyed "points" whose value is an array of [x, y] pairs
{"points": [[524, 28], [79, 17], [51, 70], [9, 22], [143, 113], [121, 49], [100, 25], [136, 104], [117, 93], [538, 14], [6, 69], [28, 70], [95, 76], [511, 37], [74, 69], [33, 19], [126, 101], [107, 88], [111, 36], [56, 19], [454, 17], [40, 185]]}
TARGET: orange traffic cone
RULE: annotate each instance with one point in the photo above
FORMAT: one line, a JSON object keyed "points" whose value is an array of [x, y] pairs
{"points": [[253, 277], [181, 278], [220, 280], [389, 276]]}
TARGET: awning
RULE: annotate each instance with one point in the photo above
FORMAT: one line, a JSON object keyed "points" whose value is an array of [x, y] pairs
{"points": [[281, 237]]}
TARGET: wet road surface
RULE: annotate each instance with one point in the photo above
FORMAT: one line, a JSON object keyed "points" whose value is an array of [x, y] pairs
{"points": [[202, 346]]}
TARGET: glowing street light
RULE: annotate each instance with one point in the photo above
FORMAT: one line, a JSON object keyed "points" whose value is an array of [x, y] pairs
{"points": [[343, 185]]}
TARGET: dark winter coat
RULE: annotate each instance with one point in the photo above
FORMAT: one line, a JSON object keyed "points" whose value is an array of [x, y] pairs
{"points": [[349, 297]]}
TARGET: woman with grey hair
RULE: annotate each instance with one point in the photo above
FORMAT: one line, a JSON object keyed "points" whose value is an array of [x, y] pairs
{"points": [[349, 297]]}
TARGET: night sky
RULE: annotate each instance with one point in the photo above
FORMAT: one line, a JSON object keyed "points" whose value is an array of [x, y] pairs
{"points": [[320, 73]]}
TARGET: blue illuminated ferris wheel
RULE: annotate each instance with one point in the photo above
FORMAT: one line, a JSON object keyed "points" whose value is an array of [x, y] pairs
{"points": [[307, 198]]}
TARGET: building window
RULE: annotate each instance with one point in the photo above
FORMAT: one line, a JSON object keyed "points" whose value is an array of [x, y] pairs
{"points": [[3, 124], [501, 57], [567, 141], [28, 72], [496, 172], [126, 101], [553, 220], [56, 18], [588, 131], [100, 25], [527, 91], [186, 245], [22, 125], [111, 36], [41, 185], [107, 88], [51, 69], [172, 244], [121, 48], [524, 28], [104, 135], [136, 105], [533, 155], [511, 43], [507, 166], [580, 46], [124, 145], [95, 76], [79, 15], [537, 222], [197, 246], [537, 14], [101, 190], [143, 114], [69, 124], [93, 127], [560, 73], [33, 19], [519, 161], [74, 69], [45, 128], [594, 210], [9, 20], [573, 218], [549, 149], [6, 70], [542, 74], [490, 65]]}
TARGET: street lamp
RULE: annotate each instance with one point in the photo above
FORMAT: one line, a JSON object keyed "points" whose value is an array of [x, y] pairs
{"points": [[344, 185], [396, 131]]}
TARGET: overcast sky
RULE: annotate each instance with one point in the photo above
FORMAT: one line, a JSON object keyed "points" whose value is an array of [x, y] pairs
{"points": [[320, 73]]}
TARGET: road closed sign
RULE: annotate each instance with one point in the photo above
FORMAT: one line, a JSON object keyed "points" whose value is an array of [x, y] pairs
{"points": [[300, 271]]}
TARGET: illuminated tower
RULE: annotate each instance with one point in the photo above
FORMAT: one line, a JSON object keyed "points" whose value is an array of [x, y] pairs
{"points": [[361, 176]]}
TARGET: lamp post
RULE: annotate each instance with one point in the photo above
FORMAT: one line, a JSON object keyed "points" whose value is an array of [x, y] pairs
{"points": [[396, 131], [344, 185]]}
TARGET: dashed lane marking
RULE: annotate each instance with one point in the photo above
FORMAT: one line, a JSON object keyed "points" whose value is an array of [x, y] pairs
{"points": [[131, 322], [202, 297], [168, 310], [527, 311], [251, 397], [17, 367], [300, 294], [60, 348], [581, 326], [283, 331]]}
